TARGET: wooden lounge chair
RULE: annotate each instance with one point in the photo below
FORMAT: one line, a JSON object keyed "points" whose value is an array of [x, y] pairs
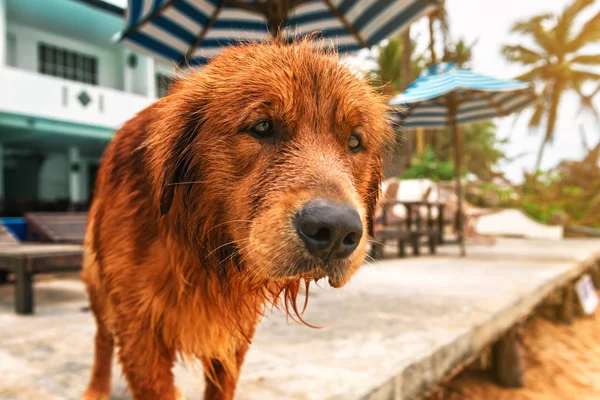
{"points": [[471, 214], [24, 260], [65, 227]]}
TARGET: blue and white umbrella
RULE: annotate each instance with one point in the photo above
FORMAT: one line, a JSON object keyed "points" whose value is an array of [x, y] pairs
{"points": [[195, 30], [445, 95], [427, 101]]}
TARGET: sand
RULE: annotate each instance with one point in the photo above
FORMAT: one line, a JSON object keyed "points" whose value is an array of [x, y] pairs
{"points": [[563, 362]]}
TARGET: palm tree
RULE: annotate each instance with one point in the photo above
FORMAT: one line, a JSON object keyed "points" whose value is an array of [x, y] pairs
{"points": [[460, 53], [393, 75], [441, 16], [556, 61], [407, 46], [390, 71]]}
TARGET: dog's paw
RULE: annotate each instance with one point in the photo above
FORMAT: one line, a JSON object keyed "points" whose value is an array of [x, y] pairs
{"points": [[92, 394]]}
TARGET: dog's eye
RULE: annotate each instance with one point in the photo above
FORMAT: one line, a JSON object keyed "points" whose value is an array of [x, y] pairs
{"points": [[263, 129], [354, 143]]}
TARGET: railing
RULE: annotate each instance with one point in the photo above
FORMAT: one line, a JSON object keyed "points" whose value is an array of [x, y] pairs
{"points": [[35, 95]]}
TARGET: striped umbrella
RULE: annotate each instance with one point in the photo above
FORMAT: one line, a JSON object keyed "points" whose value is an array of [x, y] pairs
{"points": [[194, 30], [445, 95]]}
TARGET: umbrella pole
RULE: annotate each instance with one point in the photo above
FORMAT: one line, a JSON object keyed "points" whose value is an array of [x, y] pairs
{"points": [[460, 228]]}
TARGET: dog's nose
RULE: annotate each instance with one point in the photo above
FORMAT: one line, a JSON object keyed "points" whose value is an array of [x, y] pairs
{"points": [[329, 230]]}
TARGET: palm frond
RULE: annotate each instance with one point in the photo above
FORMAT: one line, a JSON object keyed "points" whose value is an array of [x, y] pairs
{"points": [[587, 102], [539, 109], [590, 33], [522, 54], [578, 77], [531, 25], [533, 74], [587, 59], [568, 16]]}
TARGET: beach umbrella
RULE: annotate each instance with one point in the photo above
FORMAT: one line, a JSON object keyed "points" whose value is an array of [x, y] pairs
{"points": [[446, 95], [193, 30]]}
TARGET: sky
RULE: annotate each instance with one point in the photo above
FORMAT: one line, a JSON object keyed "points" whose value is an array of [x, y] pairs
{"points": [[489, 22]]}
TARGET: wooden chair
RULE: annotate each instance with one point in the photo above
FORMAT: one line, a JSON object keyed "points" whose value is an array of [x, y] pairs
{"points": [[470, 216], [24, 260]]}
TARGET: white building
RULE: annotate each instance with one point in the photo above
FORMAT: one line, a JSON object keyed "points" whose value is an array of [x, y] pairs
{"points": [[65, 87]]}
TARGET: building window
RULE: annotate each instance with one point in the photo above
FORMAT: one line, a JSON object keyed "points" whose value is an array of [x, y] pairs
{"points": [[163, 84], [67, 64]]}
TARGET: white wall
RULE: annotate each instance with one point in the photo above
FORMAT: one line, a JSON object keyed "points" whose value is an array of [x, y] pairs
{"points": [[26, 93], [165, 68], [11, 50], [53, 178], [110, 62]]}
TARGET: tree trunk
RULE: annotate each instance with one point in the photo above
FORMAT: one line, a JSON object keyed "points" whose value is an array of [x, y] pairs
{"points": [[551, 122], [432, 40], [420, 140], [540, 154], [406, 73]]}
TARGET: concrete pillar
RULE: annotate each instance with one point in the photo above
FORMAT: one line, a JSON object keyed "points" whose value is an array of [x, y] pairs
{"points": [[151, 78], [74, 165], [127, 72], [85, 196], [1, 168], [508, 359], [2, 33]]}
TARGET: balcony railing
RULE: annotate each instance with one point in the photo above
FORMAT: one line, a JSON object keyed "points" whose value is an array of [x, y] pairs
{"points": [[35, 95]]}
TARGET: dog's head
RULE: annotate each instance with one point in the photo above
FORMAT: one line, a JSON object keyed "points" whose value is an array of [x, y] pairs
{"points": [[273, 152]]}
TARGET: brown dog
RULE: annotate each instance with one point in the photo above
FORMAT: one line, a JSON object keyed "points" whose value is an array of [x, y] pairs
{"points": [[257, 173]]}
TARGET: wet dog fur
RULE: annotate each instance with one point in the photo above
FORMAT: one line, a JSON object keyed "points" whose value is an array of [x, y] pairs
{"points": [[190, 233]]}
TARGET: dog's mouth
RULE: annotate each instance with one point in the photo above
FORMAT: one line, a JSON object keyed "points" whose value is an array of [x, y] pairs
{"points": [[335, 283], [336, 272], [317, 275]]}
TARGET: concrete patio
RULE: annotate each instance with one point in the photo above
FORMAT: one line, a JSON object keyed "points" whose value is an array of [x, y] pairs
{"points": [[394, 333]]}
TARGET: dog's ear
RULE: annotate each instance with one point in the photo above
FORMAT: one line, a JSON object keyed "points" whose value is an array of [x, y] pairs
{"points": [[179, 164], [373, 193]]}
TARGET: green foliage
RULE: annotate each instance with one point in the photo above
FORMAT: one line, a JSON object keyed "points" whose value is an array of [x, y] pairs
{"points": [[389, 70], [490, 195], [541, 212], [426, 166], [460, 53], [571, 190], [482, 150]]}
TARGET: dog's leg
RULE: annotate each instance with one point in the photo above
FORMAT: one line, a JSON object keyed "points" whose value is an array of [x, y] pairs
{"points": [[224, 389], [147, 365], [99, 386]]}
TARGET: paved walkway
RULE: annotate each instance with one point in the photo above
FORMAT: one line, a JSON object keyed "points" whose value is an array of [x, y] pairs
{"points": [[394, 332]]}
